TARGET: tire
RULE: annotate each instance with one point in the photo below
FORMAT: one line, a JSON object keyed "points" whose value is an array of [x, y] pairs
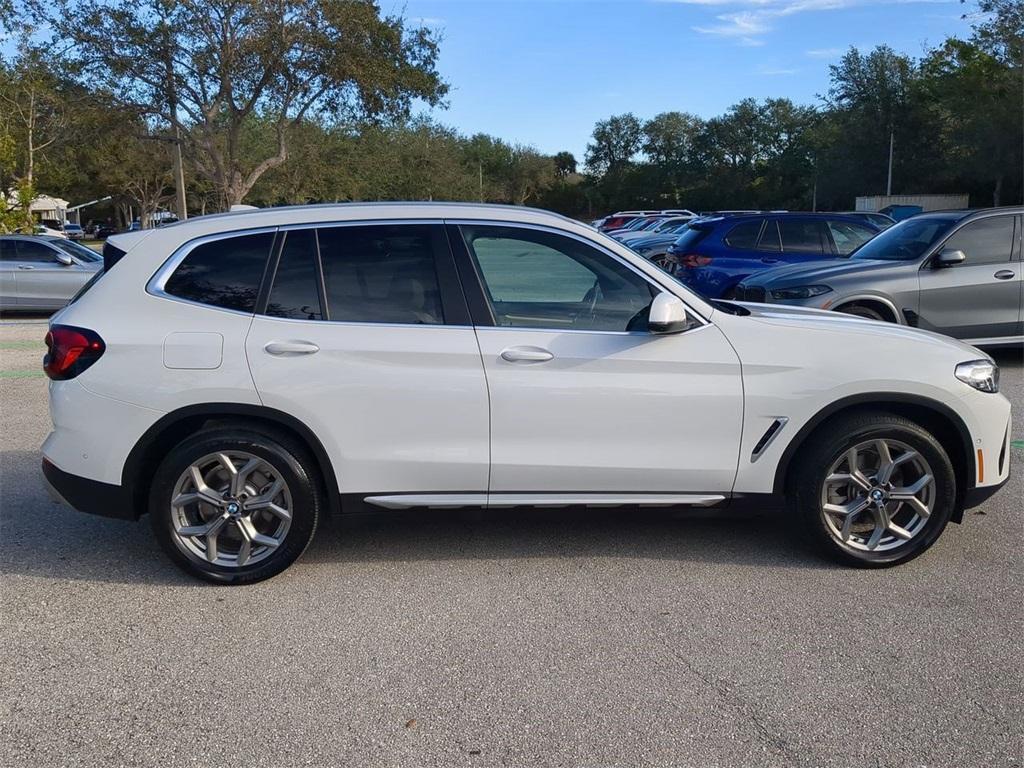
{"points": [[818, 493], [866, 312], [235, 531]]}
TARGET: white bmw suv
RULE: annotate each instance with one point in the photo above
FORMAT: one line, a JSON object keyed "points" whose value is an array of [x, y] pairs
{"points": [[239, 376]]}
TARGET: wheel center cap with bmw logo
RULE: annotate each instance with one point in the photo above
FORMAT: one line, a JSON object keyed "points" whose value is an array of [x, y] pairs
{"points": [[878, 495], [234, 508]]}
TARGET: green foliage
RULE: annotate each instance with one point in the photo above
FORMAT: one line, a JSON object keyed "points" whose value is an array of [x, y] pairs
{"points": [[208, 68]]}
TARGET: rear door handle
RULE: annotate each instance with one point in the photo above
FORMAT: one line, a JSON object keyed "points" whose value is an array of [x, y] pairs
{"points": [[291, 348], [526, 355], [25, 266], [1004, 274], [769, 261]]}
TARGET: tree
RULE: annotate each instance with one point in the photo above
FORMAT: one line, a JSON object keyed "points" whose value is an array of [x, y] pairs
{"points": [[616, 142], [36, 99], [872, 90], [975, 99], [206, 68], [565, 164]]}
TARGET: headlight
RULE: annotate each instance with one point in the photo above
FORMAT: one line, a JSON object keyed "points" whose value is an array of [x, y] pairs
{"points": [[800, 292], [983, 375]]}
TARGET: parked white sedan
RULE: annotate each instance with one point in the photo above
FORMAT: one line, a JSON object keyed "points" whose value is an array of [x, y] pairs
{"points": [[239, 376]]}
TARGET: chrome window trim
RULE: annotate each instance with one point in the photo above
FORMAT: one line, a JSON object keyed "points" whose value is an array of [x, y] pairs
{"points": [[593, 244], [156, 286]]}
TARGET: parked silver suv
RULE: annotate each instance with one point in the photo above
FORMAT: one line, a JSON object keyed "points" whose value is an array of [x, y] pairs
{"points": [[955, 272]]}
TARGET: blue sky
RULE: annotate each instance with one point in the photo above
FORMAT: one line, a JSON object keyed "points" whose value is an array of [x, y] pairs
{"points": [[542, 72]]}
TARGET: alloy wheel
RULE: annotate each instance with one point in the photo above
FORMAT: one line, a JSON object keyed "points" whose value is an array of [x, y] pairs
{"points": [[230, 509], [877, 496]]}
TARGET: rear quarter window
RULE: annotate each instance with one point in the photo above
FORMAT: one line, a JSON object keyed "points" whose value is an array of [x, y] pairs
{"points": [[224, 273]]}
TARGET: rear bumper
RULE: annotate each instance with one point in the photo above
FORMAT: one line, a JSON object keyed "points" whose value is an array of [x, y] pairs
{"points": [[87, 495]]}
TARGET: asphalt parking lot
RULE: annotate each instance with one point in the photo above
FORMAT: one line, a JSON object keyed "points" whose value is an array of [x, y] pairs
{"points": [[507, 638]]}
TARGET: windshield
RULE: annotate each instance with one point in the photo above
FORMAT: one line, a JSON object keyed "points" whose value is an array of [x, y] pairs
{"points": [[905, 241], [80, 252]]}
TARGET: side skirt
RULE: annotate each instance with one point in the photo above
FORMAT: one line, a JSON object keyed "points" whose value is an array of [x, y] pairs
{"points": [[543, 500]]}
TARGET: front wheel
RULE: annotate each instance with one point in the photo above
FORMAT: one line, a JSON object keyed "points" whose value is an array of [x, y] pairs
{"points": [[866, 312], [235, 506], [873, 489]]}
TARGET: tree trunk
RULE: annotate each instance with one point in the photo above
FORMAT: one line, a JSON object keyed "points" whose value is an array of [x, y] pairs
{"points": [[997, 193]]}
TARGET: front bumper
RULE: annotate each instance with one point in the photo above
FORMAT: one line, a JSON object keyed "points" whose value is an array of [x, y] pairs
{"points": [[87, 495]]}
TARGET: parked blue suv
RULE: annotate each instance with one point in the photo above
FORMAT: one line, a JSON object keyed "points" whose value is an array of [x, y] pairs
{"points": [[715, 253]]}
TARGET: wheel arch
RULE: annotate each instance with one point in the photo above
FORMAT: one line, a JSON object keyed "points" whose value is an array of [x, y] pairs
{"points": [[870, 300], [944, 423], [175, 426]]}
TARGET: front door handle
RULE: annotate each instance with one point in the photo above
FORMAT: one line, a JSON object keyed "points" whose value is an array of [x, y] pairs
{"points": [[291, 348], [25, 266], [526, 355], [1004, 274]]}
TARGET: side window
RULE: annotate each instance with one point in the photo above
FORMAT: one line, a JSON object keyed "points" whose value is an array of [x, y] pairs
{"points": [[6, 250], [36, 253], [987, 241], [223, 273], [770, 238], [744, 235], [848, 236], [803, 236], [382, 273], [296, 288], [538, 279]]}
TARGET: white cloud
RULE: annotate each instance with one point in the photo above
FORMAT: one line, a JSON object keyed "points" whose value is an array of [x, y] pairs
{"points": [[743, 24], [778, 72], [824, 53], [747, 20]]}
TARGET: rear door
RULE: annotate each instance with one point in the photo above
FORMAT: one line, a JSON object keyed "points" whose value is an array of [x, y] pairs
{"points": [[980, 297], [364, 336]]}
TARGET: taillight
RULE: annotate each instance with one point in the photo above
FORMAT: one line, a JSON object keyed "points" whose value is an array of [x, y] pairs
{"points": [[691, 260], [70, 351]]}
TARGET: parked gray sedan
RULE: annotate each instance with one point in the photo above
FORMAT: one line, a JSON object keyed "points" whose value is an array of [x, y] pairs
{"points": [[42, 273], [959, 273]]}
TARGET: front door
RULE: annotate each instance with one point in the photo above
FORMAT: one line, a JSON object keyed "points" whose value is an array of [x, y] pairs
{"points": [[365, 338], [8, 272], [980, 297], [584, 399]]}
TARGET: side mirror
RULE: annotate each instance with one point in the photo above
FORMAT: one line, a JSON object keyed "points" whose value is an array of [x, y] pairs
{"points": [[64, 259], [949, 257], [667, 315]]}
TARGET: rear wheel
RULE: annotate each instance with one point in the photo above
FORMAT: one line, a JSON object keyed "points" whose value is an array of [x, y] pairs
{"points": [[873, 489], [235, 506]]}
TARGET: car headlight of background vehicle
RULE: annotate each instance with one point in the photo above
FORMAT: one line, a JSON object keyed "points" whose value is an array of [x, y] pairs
{"points": [[800, 292], [983, 375]]}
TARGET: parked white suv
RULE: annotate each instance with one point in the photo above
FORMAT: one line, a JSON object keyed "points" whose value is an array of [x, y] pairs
{"points": [[239, 376]]}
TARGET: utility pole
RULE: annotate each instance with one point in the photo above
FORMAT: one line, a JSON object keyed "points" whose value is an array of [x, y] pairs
{"points": [[814, 192], [888, 185]]}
